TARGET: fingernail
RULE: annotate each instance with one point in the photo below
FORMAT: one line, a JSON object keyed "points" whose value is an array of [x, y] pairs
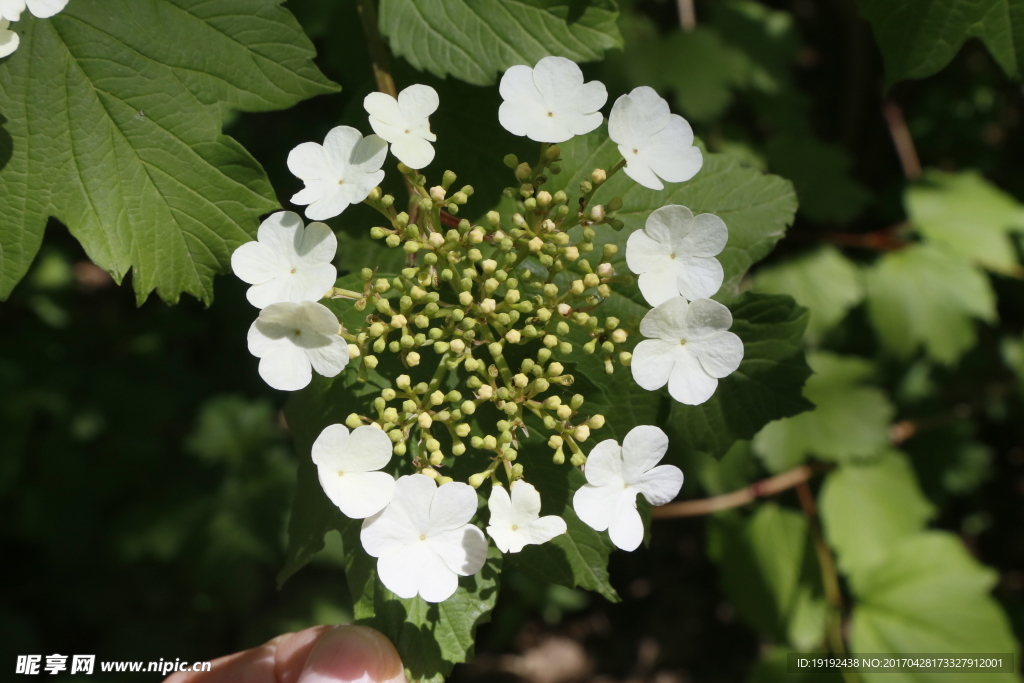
{"points": [[353, 654]]}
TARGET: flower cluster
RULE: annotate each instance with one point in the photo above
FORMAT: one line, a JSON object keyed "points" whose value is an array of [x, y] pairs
{"points": [[10, 11], [473, 335]]}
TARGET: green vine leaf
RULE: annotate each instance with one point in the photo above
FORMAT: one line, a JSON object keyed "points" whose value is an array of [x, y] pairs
{"points": [[850, 420], [868, 509], [114, 110], [475, 40], [929, 595], [919, 37]]}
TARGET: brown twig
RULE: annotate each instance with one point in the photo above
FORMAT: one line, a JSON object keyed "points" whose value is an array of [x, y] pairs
{"points": [[759, 489], [886, 239], [902, 140], [379, 52], [687, 16]]}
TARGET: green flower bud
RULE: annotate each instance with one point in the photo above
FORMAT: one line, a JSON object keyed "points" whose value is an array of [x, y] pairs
{"points": [[552, 402], [393, 240], [477, 480], [578, 459], [447, 179], [370, 361], [412, 359], [523, 171], [353, 421], [559, 457], [490, 443], [511, 160], [468, 407], [395, 435], [377, 233]]}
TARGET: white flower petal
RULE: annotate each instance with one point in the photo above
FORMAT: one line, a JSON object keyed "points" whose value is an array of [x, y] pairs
{"points": [[411, 503], [11, 9], [9, 40], [660, 485], [388, 532], [525, 502], [368, 156], [707, 236], [286, 368], [642, 449], [256, 263], [44, 9], [385, 109], [326, 206], [643, 252], [506, 539], [369, 449], [697, 278], [544, 529], [688, 382], [626, 528], [706, 317], [667, 224], [418, 102], [604, 464], [594, 505], [358, 494], [309, 162], [330, 359], [652, 363], [637, 116], [667, 321], [660, 283], [415, 569], [453, 505], [499, 503], [463, 550], [414, 152], [719, 354], [317, 245], [670, 152], [638, 170]]}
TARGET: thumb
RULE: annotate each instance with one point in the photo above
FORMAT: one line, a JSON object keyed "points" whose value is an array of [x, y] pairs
{"points": [[353, 654]]}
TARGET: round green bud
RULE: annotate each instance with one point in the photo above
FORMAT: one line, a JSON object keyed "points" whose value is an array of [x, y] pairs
{"points": [[393, 240], [477, 480], [353, 421]]}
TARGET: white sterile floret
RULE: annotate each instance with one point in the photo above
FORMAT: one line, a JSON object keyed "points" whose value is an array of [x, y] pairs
{"points": [[550, 102], [292, 340], [515, 520], [340, 172], [404, 122], [288, 262], [674, 254], [9, 40], [43, 9], [615, 475], [689, 348], [423, 540], [656, 144], [347, 464]]}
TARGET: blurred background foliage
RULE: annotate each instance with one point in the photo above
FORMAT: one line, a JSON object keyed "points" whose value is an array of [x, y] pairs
{"points": [[146, 472]]}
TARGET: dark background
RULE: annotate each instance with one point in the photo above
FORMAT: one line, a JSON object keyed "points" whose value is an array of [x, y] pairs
{"points": [[146, 474]]}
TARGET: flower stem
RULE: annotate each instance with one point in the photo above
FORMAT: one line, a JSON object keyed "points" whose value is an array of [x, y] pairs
{"points": [[379, 52]]}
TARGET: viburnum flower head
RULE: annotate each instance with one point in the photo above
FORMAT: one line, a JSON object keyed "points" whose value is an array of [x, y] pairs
{"points": [[347, 463], [616, 474], [288, 262], [43, 9], [515, 519], [656, 144], [674, 254], [9, 40], [550, 102], [404, 122], [423, 540], [689, 349], [291, 340], [338, 173]]}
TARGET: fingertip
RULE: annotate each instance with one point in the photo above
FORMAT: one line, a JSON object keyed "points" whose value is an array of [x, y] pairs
{"points": [[353, 654], [292, 650]]}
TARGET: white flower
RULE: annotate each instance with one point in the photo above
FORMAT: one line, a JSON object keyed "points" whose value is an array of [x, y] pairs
{"points": [[404, 123], [515, 520], [550, 102], [423, 540], [655, 143], [689, 349], [347, 464], [340, 172], [291, 340], [675, 254], [289, 262], [44, 9], [615, 475], [9, 40]]}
